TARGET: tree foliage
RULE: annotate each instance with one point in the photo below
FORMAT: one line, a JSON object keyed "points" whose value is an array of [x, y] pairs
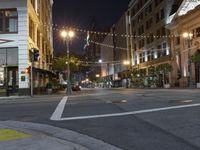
{"points": [[196, 58], [60, 63]]}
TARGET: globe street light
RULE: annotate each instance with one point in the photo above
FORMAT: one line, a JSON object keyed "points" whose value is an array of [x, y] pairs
{"points": [[188, 37], [67, 36]]}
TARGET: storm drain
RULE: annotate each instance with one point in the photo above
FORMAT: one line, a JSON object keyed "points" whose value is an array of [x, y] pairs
{"points": [[180, 101]]}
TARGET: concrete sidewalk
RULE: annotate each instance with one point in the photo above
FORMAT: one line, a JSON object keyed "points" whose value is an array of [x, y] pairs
{"points": [[29, 136]]}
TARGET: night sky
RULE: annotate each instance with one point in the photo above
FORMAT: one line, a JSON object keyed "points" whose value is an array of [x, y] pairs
{"points": [[80, 14]]}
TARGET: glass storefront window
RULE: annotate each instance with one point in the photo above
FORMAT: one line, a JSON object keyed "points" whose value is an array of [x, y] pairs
{"points": [[1, 76]]}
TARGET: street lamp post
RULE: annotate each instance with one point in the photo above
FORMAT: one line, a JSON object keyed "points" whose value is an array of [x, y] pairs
{"points": [[67, 35], [188, 37], [127, 63]]}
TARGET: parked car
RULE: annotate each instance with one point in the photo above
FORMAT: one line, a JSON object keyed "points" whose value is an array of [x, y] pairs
{"points": [[76, 87]]}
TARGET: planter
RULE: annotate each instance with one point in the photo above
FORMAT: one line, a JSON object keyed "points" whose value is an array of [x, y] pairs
{"points": [[198, 85], [167, 86], [153, 86], [49, 91]]}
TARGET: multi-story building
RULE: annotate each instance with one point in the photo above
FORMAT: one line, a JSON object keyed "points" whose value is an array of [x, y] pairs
{"points": [[147, 38], [114, 52], [185, 44], [25, 24]]}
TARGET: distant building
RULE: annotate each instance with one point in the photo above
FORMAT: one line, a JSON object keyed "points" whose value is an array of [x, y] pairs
{"points": [[92, 50], [184, 21], [147, 40], [114, 53], [25, 24]]}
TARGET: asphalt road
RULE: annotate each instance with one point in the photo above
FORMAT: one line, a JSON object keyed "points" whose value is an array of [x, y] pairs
{"points": [[156, 119]]}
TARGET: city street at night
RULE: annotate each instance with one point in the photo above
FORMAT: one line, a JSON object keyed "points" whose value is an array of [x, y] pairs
{"points": [[99, 74], [125, 118]]}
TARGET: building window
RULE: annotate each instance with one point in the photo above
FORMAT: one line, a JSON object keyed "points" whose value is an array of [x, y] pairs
{"points": [[165, 51], [33, 3], [163, 31], [135, 47], [198, 32], [136, 62], [8, 21], [177, 39], [157, 17], [156, 2], [152, 54], [158, 33], [150, 22], [141, 58], [140, 17], [141, 43], [38, 39], [133, 23], [134, 34], [132, 12], [159, 54], [147, 25], [162, 13], [146, 11], [31, 29], [151, 37], [150, 8], [148, 55]]}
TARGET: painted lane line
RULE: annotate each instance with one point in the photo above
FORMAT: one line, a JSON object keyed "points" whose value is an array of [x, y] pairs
{"points": [[59, 109], [128, 113]]}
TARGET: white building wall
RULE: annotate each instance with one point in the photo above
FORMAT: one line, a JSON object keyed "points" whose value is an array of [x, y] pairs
{"points": [[19, 40]]}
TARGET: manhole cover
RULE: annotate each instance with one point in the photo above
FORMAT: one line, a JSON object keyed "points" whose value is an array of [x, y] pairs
{"points": [[117, 101], [180, 101]]}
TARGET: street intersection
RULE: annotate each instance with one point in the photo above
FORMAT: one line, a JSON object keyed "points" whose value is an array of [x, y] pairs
{"points": [[126, 118]]}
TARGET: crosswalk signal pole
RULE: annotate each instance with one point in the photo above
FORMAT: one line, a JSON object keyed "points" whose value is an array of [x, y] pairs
{"points": [[31, 72]]}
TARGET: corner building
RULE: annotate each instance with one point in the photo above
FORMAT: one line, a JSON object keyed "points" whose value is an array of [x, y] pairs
{"points": [[186, 21], [148, 41], [25, 24]]}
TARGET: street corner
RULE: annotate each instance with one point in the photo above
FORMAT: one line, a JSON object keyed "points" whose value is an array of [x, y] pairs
{"points": [[7, 134]]}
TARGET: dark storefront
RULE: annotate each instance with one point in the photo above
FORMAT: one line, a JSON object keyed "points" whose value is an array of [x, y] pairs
{"points": [[8, 71]]}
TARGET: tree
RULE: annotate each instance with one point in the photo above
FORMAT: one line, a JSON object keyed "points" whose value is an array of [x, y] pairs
{"points": [[59, 63], [164, 69]]}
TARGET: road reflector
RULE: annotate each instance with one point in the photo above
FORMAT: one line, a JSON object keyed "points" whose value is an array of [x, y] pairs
{"points": [[8, 134]]}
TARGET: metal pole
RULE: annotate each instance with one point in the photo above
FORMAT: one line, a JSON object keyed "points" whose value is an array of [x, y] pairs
{"points": [[190, 63], [7, 89], [69, 92], [31, 71], [31, 80]]}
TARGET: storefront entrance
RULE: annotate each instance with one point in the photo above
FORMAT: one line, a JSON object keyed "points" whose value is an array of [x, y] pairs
{"points": [[9, 71], [10, 75]]}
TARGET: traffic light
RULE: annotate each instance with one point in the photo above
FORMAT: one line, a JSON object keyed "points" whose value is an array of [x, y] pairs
{"points": [[36, 55]]}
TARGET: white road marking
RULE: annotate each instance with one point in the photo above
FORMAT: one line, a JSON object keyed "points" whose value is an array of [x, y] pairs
{"points": [[59, 109]]}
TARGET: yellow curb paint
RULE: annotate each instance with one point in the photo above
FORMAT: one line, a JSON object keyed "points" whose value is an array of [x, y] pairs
{"points": [[7, 135]]}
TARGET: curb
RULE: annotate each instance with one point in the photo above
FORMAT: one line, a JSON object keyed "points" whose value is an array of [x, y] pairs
{"points": [[81, 141], [14, 97]]}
